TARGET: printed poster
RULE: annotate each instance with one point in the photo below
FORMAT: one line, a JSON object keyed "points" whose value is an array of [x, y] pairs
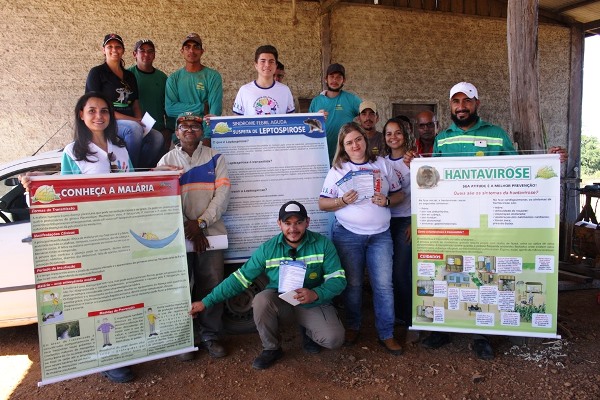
{"points": [[271, 159], [485, 244], [111, 272]]}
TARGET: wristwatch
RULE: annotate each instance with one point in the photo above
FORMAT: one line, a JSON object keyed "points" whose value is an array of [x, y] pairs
{"points": [[387, 201], [202, 223]]}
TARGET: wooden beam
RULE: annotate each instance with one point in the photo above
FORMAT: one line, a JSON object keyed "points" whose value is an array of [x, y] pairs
{"points": [[592, 25], [522, 38], [327, 5], [575, 5]]}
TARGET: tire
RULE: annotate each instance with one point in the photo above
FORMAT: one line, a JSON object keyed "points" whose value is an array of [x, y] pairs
{"points": [[237, 313]]}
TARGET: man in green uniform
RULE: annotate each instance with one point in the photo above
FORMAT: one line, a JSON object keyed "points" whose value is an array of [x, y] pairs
{"points": [[304, 265]]}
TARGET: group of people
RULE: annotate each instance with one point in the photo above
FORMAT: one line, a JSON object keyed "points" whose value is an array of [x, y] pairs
{"points": [[371, 230]]}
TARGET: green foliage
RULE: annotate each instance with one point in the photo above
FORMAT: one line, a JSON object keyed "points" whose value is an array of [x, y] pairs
{"points": [[590, 155], [526, 310]]}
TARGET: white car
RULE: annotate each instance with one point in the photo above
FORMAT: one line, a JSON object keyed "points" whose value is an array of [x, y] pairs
{"points": [[17, 294], [17, 282]]}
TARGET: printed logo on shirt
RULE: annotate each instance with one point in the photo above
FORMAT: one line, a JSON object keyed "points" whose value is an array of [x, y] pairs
{"points": [[123, 99], [265, 105], [200, 86], [338, 107]]}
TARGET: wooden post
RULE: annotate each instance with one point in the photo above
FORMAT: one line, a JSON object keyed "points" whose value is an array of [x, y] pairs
{"points": [[522, 38], [325, 44], [570, 202]]}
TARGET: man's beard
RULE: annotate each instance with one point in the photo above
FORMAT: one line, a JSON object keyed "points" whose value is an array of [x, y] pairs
{"points": [[472, 118], [295, 241], [335, 90]]}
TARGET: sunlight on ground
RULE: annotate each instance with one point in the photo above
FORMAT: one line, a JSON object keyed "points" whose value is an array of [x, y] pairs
{"points": [[12, 371]]}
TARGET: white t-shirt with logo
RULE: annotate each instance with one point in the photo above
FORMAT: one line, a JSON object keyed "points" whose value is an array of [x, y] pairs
{"points": [[254, 100], [363, 217]]}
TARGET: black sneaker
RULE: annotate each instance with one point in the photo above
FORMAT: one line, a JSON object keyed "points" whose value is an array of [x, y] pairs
{"points": [[267, 358], [308, 345], [435, 340], [215, 349], [483, 349]]}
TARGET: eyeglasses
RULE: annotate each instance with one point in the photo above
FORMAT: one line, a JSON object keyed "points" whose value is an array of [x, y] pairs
{"points": [[427, 125], [350, 142], [193, 128]]}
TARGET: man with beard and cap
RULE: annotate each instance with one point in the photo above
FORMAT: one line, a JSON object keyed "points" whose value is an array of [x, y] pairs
{"points": [[339, 106], [306, 252], [469, 135], [427, 128], [368, 118]]}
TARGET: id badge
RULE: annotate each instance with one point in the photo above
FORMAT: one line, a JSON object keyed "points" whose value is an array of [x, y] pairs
{"points": [[480, 143]]}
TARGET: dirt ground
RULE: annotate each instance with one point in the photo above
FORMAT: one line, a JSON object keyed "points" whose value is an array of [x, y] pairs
{"points": [[553, 369]]}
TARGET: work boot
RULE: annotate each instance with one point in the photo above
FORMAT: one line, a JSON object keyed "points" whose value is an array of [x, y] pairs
{"points": [[215, 349], [392, 346], [267, 358], [483, 349], [308, 345], [119, 375], [435, 340], [351, 337]]}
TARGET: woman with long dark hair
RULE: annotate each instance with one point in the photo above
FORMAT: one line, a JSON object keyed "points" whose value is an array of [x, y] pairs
{"points": [[120, 88], [398, 141], [96, 147]]}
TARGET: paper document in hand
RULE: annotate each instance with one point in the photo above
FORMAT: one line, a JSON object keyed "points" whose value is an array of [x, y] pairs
{"points": [[216, 242], [361, 181], [148, 122], [289, 297], [291, 275]]}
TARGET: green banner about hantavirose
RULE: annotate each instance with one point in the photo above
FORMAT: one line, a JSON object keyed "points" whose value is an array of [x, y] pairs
{"points": [[485, 244]]}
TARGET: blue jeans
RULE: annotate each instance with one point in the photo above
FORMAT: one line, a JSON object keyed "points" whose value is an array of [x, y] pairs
{"points": [[144, 151], [375, 253], [402, 275]]}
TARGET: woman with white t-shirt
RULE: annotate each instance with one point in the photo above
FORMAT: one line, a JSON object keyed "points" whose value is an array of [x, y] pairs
{"points": [[399, 140], [96, 148], [360, 188]]}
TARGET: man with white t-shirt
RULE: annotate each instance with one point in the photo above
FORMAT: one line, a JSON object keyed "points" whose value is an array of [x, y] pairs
{"points": [[264, 96]]}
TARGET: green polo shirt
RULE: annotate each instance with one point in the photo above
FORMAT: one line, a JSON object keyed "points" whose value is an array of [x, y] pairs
{"points": [[482, 139]]}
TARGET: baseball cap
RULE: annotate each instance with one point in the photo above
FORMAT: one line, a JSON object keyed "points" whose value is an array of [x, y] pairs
{"points": [[140, 42], [189, 116], [192, 37], [112, 36], [333, 68], [292, 208], [367, 104], [464, 87]]}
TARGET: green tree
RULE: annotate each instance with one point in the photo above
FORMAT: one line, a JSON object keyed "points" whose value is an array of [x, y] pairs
{"points": [[590, 155]]}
